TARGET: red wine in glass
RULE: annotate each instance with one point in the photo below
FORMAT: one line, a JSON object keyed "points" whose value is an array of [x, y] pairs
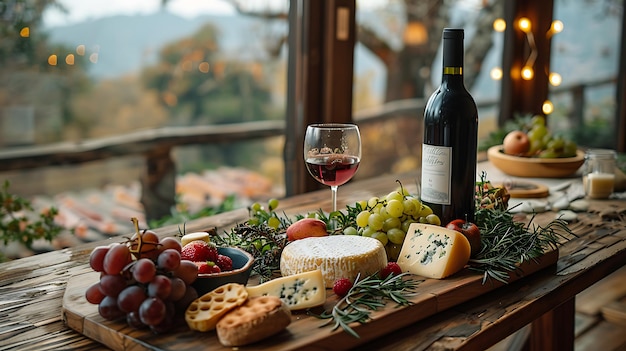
{"points": [[332, 152], [332, 170]]}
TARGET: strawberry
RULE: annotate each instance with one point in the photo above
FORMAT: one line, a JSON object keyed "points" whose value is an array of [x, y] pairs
{"points": [[224, 262], [216, 269], [199, 251], [207, 267], [342, 286], [391, 268], [204, 267]]}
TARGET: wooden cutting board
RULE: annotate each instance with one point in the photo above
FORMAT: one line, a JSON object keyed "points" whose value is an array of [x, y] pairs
{"points": [[305, 332]]}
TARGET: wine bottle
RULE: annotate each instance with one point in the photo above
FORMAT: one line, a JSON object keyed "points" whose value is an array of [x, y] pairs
{"points": [[450, 139]]}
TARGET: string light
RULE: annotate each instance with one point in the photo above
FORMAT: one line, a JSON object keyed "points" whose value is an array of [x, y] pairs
{"points": [[496, 73], [547, 107], [555, 79], [499, 25], [556, 27], [524, 25], [527, 73]]}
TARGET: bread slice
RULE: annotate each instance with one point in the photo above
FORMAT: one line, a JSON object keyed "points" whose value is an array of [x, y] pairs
{"points": [[257, 319], [204, 312]]}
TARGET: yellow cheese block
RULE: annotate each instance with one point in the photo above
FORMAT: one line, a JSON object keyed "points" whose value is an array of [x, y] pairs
{"points": [[298, 291], [337, 256], [433, 251]]}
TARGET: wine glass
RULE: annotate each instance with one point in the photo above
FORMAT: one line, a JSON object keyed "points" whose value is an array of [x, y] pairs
{"points": [[332, 153]]}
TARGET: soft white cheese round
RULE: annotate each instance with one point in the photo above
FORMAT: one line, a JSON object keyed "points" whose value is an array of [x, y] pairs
{"points": [[337, 256]]}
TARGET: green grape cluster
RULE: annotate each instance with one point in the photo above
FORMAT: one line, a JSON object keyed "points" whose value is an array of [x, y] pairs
{"points": [[387, 219], [259, 215], [544, 144]]}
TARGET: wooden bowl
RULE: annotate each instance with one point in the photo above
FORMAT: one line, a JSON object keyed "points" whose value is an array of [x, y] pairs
{"points": [[535, 167], [242, 267]]}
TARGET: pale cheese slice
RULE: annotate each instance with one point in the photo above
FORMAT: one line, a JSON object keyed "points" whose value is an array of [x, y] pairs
{"points": [[432, 251], [187, 238], [298, 291], [337, 256]]}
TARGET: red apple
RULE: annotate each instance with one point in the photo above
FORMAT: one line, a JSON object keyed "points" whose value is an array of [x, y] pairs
{"points": [[470, 231], [516, 143], [306, 227]]}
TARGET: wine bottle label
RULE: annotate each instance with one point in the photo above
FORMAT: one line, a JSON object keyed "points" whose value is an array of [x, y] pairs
{"points": [[436, 174], [453, 70]]}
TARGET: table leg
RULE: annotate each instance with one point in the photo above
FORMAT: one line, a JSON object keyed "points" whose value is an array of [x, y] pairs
{"points": [[554, 331]]}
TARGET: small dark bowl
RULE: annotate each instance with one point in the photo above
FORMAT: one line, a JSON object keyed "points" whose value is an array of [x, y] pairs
{"points": [[242, 266]]}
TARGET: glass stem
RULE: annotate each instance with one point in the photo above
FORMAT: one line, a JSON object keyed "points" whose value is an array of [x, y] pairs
{"points": [[333, 190]]}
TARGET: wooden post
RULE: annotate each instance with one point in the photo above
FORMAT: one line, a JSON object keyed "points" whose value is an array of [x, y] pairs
{"points": [[158, 184], [621, 93], [554, 331], [520, 95], [321, 53]]}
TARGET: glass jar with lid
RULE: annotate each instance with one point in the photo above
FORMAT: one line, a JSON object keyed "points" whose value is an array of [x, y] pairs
{"points": [[599, 173]]}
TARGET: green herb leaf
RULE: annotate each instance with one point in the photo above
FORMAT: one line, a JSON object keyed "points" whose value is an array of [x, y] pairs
{"points": [[368, 295]]}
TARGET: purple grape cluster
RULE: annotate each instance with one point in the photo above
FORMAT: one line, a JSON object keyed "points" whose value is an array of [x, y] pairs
{"points": [[144, 280]]}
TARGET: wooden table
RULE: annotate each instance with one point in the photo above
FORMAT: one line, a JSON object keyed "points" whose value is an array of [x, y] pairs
{"points": [[31, 289]]}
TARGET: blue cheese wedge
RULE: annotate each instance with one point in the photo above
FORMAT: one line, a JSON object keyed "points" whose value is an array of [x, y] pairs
{"points": [[433, 251], [297, 291]]}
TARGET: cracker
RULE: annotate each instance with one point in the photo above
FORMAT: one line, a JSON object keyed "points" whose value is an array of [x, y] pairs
{"points": [[204, 312]]}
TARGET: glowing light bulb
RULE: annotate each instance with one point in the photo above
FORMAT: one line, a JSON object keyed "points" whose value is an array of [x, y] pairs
{"points": [[496, 73], [52, 60], [555, 79], [69, 59], [80, 49], [547, 107], [557, 26], [524, 24], [499, 25], [527, 73], [25, 32]]}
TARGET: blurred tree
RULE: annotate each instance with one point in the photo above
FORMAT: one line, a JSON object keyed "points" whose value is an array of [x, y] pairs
{"points": [[199, 87], [408, 65], [34, 73]]}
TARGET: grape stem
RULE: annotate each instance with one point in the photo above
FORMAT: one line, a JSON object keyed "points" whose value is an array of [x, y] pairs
{"points": [[137, 251]]}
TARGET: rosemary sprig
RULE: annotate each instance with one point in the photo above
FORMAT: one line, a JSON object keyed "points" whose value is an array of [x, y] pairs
{"points": [[506, 243], [368, 295], [264, 243]]}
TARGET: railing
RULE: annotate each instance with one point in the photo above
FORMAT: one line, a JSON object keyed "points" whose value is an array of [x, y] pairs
{"points": [[155, 145]]}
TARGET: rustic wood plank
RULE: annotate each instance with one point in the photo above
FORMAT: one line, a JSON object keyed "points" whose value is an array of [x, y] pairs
{"points": [[609, 289], [39, 280], [304, 332], [605, 336], [138, 142], [615, 312]]}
